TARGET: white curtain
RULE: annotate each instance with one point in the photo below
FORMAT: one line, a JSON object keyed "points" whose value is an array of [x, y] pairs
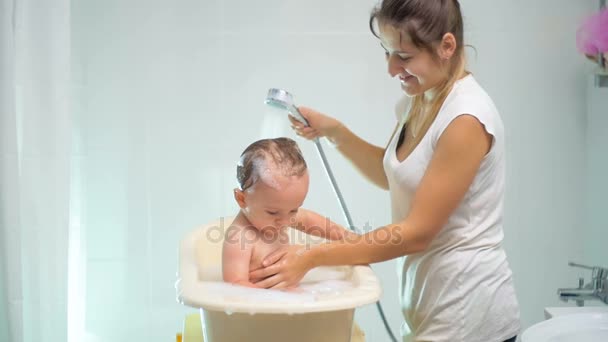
{"points": [[35, 167], [103, 166]]}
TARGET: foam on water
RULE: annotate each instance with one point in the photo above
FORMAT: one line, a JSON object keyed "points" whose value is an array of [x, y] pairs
{"points": [[320, 283]]}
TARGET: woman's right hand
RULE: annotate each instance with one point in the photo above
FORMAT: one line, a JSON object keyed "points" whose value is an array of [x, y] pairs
{"points": [[321, 125]]}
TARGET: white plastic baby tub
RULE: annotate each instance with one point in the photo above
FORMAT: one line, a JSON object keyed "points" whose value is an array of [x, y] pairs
{"points": [[321, 310]]}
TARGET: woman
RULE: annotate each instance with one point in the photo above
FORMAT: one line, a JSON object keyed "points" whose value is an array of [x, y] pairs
{"points": [[444, 167]]}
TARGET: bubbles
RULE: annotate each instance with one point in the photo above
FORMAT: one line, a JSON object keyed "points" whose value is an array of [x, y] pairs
{"points": [[319, 284], [269, 177], [230, 293], [320, 274], [271, 170], [327, 288]]}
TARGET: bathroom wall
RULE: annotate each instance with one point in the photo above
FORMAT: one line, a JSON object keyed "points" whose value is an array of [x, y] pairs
{"points": [[170, 93], [596, 225], [539, 84]]}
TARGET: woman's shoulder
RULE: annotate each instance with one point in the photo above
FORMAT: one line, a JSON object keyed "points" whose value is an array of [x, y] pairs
{"points": [[468, 97], [470, 93]]}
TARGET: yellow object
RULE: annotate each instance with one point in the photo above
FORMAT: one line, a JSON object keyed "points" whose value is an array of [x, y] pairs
{"points": [[357, 335], [178, 337], [193, 330]]}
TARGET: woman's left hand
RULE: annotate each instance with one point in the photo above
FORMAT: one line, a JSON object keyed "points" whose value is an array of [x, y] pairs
{"points": [[283, 268]]}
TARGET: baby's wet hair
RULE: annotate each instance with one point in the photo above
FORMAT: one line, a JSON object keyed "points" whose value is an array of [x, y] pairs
{"points": [[283, 153]]}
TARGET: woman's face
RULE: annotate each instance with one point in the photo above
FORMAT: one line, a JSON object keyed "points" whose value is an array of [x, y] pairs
{"points": [[416, 69]]}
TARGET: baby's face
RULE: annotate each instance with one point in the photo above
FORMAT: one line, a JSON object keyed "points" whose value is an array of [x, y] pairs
{"points": [[274, 206]]}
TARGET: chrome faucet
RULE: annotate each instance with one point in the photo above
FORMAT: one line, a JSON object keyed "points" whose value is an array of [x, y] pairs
{"points": [[597, 289]]}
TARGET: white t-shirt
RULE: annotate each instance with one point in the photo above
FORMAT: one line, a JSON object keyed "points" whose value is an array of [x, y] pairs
{"points": [[460, 289]]}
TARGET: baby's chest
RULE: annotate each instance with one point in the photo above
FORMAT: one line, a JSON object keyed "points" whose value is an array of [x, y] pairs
{"points": [[262, 249]]}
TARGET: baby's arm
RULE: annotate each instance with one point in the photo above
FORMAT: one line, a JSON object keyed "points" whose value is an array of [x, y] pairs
{"points": [[314, 224], [236, 256]]}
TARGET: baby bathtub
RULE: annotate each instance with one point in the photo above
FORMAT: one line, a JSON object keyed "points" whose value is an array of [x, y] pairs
{"points": [[229, 313]]}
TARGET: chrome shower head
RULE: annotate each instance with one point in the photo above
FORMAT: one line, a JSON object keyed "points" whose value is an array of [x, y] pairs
{"points": [[282, 99]]}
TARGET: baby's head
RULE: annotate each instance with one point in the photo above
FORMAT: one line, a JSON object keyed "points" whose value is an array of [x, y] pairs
{"points": [[273, 182]]}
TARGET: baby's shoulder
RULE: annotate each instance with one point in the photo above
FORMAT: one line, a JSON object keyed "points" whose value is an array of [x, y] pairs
{"points": [[237, 231]]}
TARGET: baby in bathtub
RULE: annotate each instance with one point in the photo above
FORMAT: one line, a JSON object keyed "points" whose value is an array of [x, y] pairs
{"points": [[273, 183]]}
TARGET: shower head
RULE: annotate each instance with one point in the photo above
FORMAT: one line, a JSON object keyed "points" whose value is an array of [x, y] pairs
{"points": [[282, 99]]}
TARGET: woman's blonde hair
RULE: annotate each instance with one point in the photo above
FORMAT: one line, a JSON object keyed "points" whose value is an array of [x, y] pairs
{"points": [[443, 90]]}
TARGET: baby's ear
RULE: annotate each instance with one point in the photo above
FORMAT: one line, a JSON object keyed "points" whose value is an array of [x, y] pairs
{"points": [[239, 196]]}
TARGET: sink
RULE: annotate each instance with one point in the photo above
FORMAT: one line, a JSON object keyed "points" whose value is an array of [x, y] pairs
{"points": [[556, 311], [578, 327]]}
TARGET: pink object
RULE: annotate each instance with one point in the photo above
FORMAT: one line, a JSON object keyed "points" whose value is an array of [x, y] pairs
{"points": [[592, 35]]}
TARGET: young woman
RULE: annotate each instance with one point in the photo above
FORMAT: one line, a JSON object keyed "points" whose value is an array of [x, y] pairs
{"points": [[444, 167]]}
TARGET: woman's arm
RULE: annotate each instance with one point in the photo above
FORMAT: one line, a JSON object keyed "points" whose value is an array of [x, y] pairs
{"points": [[366, 158], [452, 169]]}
